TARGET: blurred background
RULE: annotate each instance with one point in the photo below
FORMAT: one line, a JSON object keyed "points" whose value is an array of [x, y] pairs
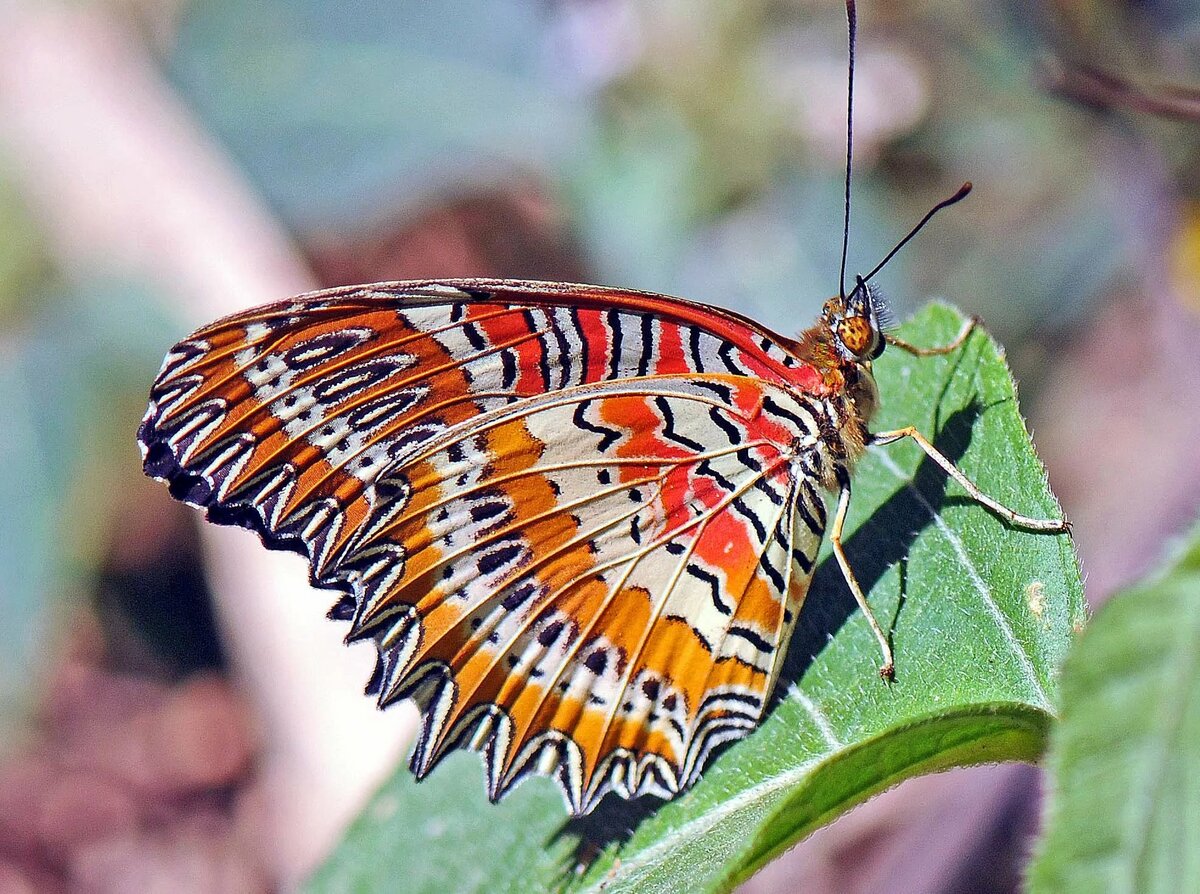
{"points": [[175, 714]]}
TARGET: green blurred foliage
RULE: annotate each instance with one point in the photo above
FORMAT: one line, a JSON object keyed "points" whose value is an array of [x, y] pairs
{"points": [[74, 363], [679, 138], [1124, 809], [341, 113], [29, 474]]}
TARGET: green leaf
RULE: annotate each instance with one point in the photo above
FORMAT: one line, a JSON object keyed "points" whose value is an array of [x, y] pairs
{"points": [[1124, 810], [982, 616]]}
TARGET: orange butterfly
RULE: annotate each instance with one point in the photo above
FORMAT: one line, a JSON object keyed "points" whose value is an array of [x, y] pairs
{"points": [[578, 523]]}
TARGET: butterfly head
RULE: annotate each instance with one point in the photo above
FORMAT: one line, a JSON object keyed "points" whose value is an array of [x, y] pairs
{"points": [[855, 324], [843, 343]]}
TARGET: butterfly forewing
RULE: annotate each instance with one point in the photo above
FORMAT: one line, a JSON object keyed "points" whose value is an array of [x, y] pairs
{"points": [[578, 523]]}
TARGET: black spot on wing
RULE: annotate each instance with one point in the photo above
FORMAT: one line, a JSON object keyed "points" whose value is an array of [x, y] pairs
{"points": [[597, 661], [607, 435], [508, 369], [726, 353], [770, 405], [521, 594], [751, 637], [548, 634], [705, 468], [694, 351], [500, 558], [732, 432], [668, 415], [773, 573], [647, 356], [714, 586], [474, 336], [565, 360], [752, 517], [616, 336]]}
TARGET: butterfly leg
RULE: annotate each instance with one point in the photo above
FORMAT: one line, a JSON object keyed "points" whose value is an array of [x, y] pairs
{"points": [[1015, 518], [888, 669], [968, 327]]}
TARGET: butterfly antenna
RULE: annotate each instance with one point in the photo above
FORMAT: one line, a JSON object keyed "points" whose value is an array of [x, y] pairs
{"points": [[957, 197], [852, 23]]}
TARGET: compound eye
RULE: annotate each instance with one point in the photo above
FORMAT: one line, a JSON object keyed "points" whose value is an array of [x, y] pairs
{"points": [[856, 335]]}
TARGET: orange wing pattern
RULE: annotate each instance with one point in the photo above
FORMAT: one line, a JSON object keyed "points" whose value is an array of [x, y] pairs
{"points": [[578, 523]]}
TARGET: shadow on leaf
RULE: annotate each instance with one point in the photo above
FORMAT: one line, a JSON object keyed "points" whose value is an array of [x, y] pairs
{"points": [[882, 541]]}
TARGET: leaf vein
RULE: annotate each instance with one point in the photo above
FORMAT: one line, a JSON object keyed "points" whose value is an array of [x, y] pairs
{"points": [[819, 718]]}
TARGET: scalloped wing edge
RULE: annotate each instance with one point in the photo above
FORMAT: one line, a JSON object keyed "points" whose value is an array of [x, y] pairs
{"points": [[485, 730]]}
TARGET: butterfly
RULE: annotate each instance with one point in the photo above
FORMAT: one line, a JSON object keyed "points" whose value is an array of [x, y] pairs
{"points": [[578, 523]]}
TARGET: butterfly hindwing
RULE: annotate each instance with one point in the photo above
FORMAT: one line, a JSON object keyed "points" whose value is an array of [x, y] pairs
{"points": [[574, 522]]}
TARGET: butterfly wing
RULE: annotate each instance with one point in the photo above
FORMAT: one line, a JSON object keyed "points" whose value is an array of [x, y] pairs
{"points": [[578, 523]]}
